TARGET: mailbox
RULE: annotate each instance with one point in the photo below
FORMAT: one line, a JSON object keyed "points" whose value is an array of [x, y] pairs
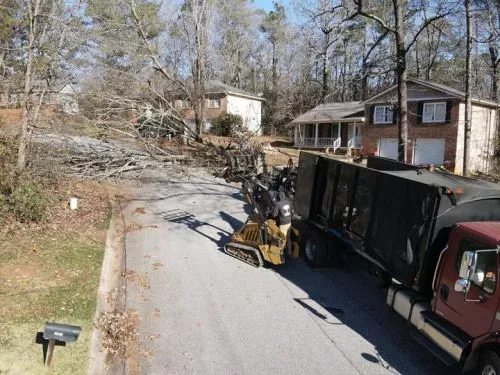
{"points": [[56, 332], [61, 332]]}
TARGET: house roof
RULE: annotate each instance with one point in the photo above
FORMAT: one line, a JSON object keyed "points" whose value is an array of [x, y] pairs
{"points": [[333, 112], [218, 87], [439, 87]]}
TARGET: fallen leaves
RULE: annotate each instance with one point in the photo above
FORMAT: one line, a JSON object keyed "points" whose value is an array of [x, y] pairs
{"points": [[140, 279], [157, 266], [139, 211], [120, 332]]}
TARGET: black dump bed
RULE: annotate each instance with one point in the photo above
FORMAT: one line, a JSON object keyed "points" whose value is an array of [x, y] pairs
{"points": [[398, 218]]}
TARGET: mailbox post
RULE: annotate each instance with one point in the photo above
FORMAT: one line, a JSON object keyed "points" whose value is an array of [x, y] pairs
{"points": [[58, 332]]}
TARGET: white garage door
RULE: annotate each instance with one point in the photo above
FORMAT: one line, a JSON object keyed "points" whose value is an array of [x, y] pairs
{"points": [[428, 151], [388, 148]]}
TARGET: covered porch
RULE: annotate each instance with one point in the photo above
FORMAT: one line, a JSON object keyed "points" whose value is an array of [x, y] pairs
{"points": [[335, 135]]}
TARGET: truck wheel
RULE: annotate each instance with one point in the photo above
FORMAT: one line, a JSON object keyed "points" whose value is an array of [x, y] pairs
{"points": [[489, 364], [315, 250]]}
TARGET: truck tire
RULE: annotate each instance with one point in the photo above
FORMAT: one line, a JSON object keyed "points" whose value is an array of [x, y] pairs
{"points": [[489, 364], [315, 249]]}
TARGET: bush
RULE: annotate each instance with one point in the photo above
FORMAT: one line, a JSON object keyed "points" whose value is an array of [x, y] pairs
{"points": [[28, 202], [225, 124]]}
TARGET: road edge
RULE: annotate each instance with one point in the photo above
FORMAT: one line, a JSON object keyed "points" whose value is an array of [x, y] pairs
{"points": [[109, 284]]}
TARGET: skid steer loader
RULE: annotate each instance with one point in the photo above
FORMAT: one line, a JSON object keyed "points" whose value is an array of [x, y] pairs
{"points": [[260, 240]]}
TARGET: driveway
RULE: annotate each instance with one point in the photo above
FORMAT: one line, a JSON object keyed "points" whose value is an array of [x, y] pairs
{"points": [[203, 312]]}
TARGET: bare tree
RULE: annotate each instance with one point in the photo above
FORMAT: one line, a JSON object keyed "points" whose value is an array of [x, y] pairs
{"points": [[403, 42]]}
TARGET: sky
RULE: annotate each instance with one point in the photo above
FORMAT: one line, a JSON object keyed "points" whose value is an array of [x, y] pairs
{"points": [[268, 4]]}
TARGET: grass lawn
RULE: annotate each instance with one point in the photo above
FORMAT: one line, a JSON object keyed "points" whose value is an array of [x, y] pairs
{"points": [[50, 272]]}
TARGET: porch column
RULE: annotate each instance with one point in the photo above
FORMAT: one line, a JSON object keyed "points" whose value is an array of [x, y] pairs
{"points": [[338, 130], [295, 134], [316, 135]]}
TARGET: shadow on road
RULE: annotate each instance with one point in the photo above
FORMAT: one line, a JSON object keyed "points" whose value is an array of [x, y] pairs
{"points": [[351, 297], [189, 220]]}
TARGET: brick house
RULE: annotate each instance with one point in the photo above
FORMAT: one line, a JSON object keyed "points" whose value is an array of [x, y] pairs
{"points": [[435, 126], [436, 116], [225, 99]]}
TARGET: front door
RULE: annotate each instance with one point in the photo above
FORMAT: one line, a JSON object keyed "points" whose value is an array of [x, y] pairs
{"points": [[344, 134], [474, 318]]}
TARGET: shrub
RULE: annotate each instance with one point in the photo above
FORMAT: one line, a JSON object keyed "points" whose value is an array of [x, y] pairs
{"points": [[225, 124], [28, 202]]}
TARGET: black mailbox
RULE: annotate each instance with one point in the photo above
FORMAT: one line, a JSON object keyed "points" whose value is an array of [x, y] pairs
{"points": [[61, 332]]}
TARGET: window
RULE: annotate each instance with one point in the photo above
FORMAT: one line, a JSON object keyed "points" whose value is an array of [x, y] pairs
{"points": [[13, 98], [213, 102], [186, 104], [485, 274], [383, 114], [434, 112]]}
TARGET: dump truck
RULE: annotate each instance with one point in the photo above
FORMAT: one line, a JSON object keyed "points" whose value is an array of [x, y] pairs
{"points": [[433, 236]]}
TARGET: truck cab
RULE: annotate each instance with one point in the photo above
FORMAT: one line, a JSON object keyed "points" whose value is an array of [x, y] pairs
{"points": [[462, 321]]}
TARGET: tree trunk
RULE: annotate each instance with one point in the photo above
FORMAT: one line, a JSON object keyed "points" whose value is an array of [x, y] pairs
{"points": [[324, 90], [494, 72], [274, 96], [468, 103], [200, 24], [25, 102], [401, 72]]}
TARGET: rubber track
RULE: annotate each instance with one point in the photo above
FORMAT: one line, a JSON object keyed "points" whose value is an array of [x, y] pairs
{"points": [[242, 252]]}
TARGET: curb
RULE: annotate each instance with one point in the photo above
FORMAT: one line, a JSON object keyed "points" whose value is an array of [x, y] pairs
{"points": [[110, 280]]}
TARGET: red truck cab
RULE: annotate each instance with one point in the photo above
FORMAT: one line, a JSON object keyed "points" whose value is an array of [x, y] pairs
{"points": [[474, 307], [461, 323]]}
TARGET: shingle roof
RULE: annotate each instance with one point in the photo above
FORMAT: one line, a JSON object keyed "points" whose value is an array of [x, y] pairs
{"points": [[440, 87], [218, 87], [333, 112]]}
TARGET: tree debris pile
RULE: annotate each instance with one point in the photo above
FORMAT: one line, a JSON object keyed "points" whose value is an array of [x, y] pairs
{"points": [[86, 157], [120, 332]]}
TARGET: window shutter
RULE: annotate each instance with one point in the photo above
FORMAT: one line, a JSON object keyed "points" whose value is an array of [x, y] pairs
{"points": [[420, 112], [448, 111], [372, 113], [395, 114]]}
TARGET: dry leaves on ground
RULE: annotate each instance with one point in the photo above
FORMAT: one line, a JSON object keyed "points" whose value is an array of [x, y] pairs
{"points": [[120, 331]]}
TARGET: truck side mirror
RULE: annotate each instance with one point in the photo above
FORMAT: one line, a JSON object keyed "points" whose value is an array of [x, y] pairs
{"points": [[467, 265], [461, 285]]}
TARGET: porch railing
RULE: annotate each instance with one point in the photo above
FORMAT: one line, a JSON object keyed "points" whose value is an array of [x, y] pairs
{"points": [[318, 143], [354, 142], [336, 144]]}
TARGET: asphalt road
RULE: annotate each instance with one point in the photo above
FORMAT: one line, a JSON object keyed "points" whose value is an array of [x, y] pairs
{"points": [[203, 312]]}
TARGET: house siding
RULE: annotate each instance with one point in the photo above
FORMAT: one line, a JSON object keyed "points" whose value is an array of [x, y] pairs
{"points": [[448, 131], [482, 139], [248, 109]]}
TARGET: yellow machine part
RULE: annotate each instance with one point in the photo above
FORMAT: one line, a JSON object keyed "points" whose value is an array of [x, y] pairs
{"points": [[273, 251]]}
